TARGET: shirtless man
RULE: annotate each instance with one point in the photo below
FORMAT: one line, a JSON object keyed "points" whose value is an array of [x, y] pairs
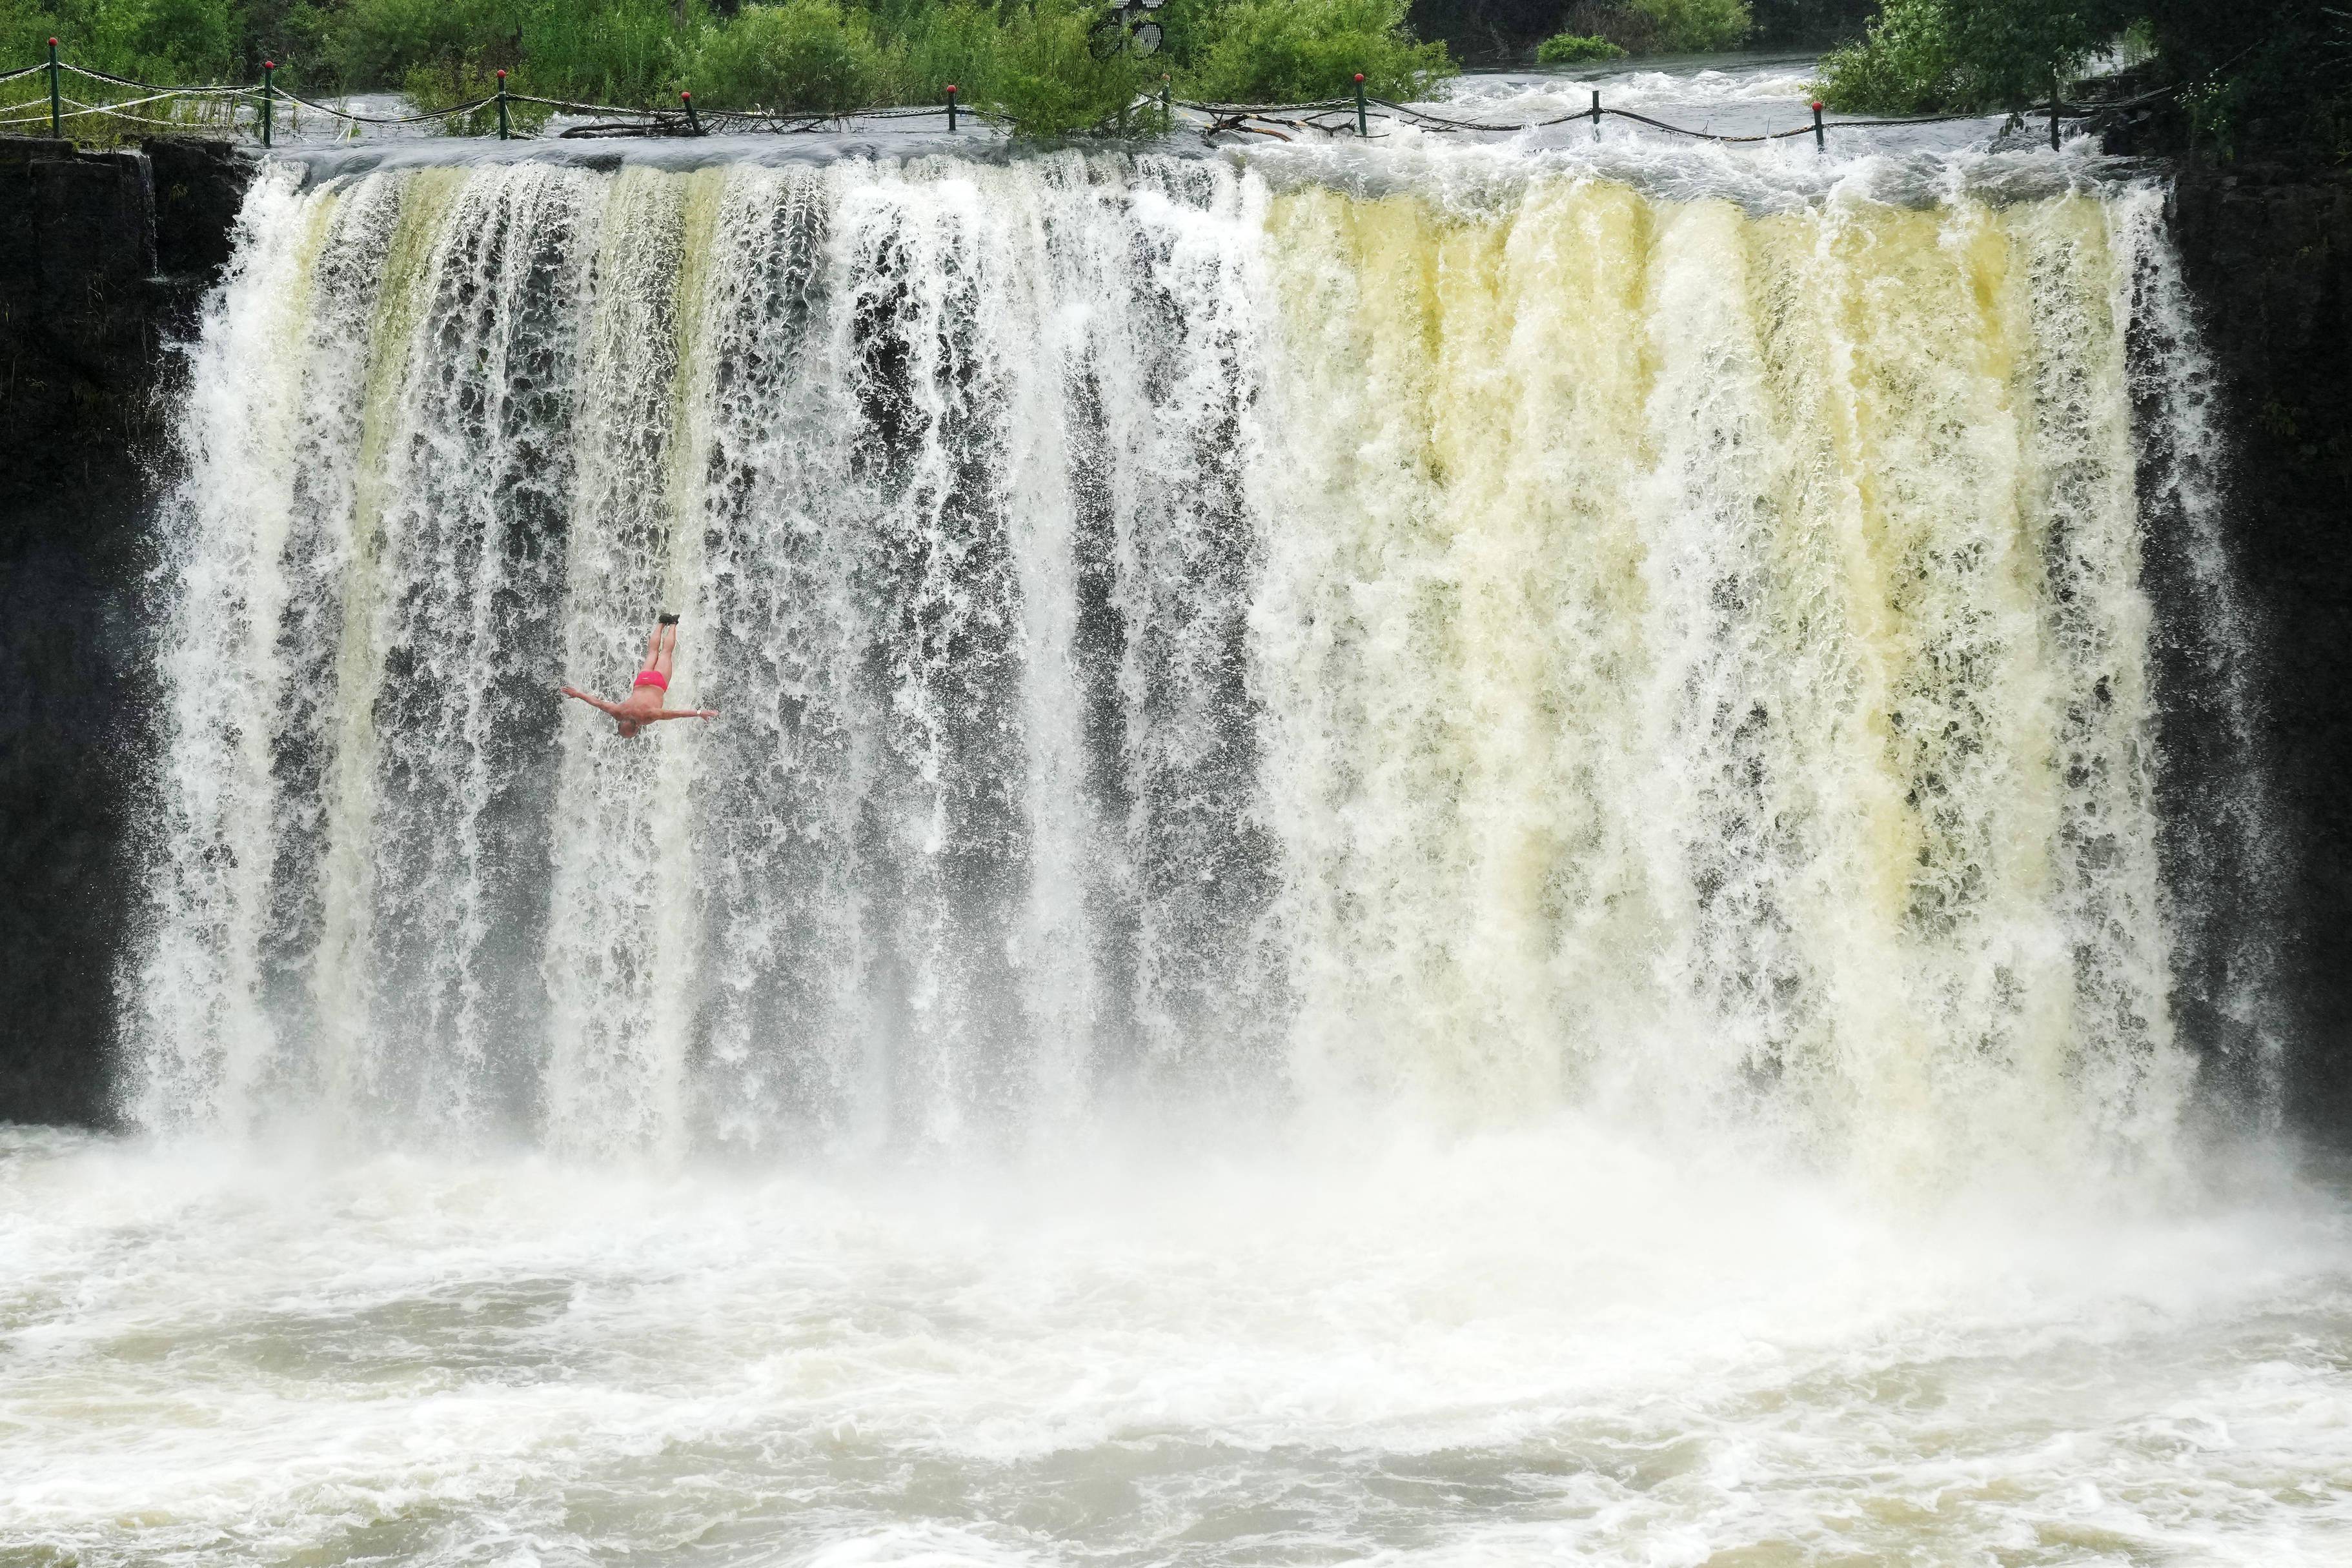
{"points": [[644, 704]]}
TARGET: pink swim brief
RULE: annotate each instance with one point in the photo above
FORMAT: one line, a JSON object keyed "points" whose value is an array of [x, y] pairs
{"points": [[652, 678]]}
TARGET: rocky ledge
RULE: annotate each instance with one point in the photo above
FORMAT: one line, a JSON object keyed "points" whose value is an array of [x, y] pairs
{"points": [[102, 266], [2268, 251]]}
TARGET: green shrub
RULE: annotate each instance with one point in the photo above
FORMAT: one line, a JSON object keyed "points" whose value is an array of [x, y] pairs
{"points": [[802, 57], [377, 42], [170, 41], [1924, 56], [1046, 78], [1698, 26], [623, 52], [1902, 65], [445, 85], [2011, 48], [1300, 51], [1029, 60], [937, 45], [1576, 48]]}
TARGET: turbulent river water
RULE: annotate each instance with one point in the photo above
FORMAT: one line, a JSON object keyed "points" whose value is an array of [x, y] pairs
{"points": [[1423, 853]]}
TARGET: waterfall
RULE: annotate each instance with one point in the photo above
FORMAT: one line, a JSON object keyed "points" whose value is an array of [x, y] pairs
{"points": [[1187, 630]]}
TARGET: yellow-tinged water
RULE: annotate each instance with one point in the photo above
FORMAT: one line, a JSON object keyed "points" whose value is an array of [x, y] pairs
{"points": [[1595, 647], [1459, 867], [1663, 630]]}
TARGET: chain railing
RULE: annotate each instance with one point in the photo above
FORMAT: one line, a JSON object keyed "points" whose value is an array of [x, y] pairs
{"points": [[1356, 115]]}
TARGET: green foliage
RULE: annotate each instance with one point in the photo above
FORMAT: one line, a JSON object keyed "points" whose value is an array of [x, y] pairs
{"points": [[603, 51], [960, 43], [154, 40], [1904, 65], [1696, 26], [171, 40], [2267, 80], [1046, 78], [1658, 26], [446, 85], [2274, 77], [1922, 55], [1299, 51], [801, 56], [1575, 49], [2012, 48], [1034, 61], [375, 43]]}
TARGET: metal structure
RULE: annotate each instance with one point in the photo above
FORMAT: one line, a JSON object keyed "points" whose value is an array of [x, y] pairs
{"points": [[1127, 25]]}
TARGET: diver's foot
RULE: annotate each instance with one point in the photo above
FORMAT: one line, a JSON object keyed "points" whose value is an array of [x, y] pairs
{"points": [[667, 621]]}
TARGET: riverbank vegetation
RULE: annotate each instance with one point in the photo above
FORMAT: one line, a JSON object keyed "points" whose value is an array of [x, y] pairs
{"points": [[2277, 76], [1576, 49], [1041, 63], [1612, 29]]}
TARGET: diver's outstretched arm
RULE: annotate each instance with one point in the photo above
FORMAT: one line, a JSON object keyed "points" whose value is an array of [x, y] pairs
{"points": [[683, 713], [613, 708]]}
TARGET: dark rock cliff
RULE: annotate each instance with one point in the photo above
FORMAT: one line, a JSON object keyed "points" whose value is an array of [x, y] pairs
{"points": [[2268, 250], [104, 262]]}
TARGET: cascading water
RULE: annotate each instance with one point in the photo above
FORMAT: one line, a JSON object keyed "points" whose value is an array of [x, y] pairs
{"points": [[1417, 854], [1174, 624]]}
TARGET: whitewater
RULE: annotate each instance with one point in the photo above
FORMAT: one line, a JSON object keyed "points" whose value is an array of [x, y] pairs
{"points": [[1418, 854]]}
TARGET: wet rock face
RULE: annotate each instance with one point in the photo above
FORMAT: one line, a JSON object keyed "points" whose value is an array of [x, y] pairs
{"points": [[198, 187], [106, 256], [2269, 251]]}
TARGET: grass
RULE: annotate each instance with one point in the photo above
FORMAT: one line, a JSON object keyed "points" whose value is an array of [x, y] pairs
{"points": [[1042, 64]]}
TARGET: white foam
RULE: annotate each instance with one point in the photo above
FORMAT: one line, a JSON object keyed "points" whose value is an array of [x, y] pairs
{"points": [[1548, 1342]]}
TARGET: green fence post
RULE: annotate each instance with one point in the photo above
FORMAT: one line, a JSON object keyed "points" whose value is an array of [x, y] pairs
{"points": [[1362, 129], [693, 120], [1821, 142], [57, 110], [502, 105], [2053, 112], [951, 106], [268, 94], [1167, 102]]}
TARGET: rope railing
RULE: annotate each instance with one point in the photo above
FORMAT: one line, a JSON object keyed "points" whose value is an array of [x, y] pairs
{"points": [[1357, 115], [1329, 116], [110, 78], [344, 114]]}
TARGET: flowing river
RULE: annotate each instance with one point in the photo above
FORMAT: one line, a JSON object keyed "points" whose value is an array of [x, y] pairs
{"points": [[1423, 854]]}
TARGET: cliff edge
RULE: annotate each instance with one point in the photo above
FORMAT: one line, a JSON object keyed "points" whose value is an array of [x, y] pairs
{"points": [[100, 275]]}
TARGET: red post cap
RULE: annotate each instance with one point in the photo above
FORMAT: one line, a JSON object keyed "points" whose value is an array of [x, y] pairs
{"points": [[1359, 76], [270, 65], [502, 76], [1817, 106], [952, 87], [53, 43], [683, 94]]}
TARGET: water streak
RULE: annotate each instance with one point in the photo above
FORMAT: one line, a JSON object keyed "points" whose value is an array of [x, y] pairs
{"points": [[1182, 633]]}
